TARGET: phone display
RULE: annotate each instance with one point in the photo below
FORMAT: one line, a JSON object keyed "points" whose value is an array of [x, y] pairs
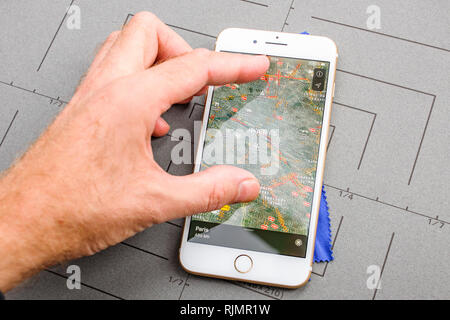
{"points": [[271, 127]]}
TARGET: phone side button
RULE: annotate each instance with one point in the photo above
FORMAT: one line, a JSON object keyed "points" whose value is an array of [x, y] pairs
{"points": [[243, 263]]}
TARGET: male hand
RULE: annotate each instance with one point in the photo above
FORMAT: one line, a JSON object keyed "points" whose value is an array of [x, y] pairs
{"points": [[90, 181]]}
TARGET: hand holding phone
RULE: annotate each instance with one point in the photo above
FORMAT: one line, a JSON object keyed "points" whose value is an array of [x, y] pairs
{"points": [[90, 181]]}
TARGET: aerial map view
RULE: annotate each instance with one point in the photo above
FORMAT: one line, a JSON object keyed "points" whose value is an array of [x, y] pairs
{"points": [[272, 128]]}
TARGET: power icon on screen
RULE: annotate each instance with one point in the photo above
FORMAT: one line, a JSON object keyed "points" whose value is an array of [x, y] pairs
{"points": [[318, 83]]}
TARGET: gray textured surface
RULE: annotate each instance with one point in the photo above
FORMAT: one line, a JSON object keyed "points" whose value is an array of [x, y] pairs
{"points": [[387, 173]]}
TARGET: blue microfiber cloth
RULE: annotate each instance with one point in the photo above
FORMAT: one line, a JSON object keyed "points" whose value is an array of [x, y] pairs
{"points": [[322, 250]]}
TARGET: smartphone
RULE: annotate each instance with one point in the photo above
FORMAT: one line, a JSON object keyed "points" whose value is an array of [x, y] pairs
{"points": [[277, 128]]}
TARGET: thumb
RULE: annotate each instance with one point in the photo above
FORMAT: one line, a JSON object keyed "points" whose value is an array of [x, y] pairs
{"points": [[209, 190]]}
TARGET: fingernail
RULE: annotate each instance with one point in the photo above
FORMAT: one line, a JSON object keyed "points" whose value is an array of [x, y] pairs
{"points": [[266, 58], [248, 190]]}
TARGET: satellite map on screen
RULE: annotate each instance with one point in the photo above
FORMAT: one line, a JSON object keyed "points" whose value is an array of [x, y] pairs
{"points": [[272, 128]]}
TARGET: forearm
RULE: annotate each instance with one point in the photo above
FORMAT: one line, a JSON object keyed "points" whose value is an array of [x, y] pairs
{"points": [[21, 252], [51, 211], [39, 209], [31, 203]]}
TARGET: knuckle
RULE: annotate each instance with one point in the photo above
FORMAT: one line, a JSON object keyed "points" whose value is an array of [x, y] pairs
{"points": [[216, 197], [156, 217], [144, 18], [201, 53], [201, 65], [113, 35], [111, 38]]}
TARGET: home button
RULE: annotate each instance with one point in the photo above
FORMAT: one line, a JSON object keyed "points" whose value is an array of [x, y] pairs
{"points": [[243, 263]]}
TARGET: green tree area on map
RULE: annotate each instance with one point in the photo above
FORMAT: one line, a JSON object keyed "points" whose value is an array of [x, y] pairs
{"points": [[281, 100]]}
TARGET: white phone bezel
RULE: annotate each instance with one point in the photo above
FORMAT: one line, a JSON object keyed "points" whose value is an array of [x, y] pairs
{"points": [[268, 268]]}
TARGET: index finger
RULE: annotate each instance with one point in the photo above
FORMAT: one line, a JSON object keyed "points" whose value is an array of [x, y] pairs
{"points": [[142, 41], [182, 77]]}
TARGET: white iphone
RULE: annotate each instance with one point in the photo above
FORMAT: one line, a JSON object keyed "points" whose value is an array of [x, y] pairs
{"points": [[277, 128]]}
